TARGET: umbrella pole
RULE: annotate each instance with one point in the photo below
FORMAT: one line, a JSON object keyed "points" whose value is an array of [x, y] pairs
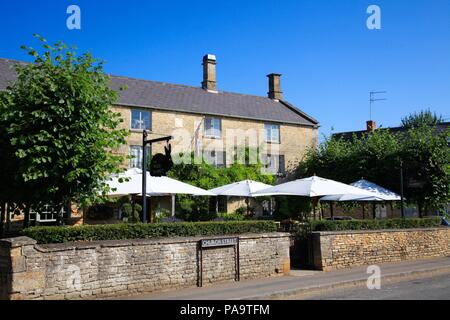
{"points": [[217, 205], [314, 201], [331, 209], [248, 205], [173, 205], [374, 210], [314, 211], [363, 211]]}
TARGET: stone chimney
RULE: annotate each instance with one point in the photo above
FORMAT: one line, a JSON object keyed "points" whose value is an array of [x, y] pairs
{"points": [[371, 126], [209, 73], [275, 92]]}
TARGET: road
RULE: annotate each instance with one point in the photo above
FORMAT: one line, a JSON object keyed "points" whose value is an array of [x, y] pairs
{"points": [[304, 284], [428, 288]]}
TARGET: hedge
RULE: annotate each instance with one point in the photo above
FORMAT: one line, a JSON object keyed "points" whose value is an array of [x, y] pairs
{"points": [[342, 225], [45, 235]]}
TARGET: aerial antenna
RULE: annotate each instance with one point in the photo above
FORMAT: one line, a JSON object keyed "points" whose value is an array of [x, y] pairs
{"points": [[374, 98]]}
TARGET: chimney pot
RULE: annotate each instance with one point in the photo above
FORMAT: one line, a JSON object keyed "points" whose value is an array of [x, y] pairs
{"points": [[209, 73], [275, 92], [371, 126]]}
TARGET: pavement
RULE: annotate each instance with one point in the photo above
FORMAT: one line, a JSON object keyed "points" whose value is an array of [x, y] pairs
{"points": [[305, 283]]}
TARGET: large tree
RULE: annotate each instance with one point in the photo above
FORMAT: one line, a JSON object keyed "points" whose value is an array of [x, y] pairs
{"points": [[376, 156], [57, 129]]}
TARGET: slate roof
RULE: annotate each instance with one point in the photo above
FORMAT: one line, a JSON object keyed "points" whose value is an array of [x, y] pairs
{"points": [[172, 97]]}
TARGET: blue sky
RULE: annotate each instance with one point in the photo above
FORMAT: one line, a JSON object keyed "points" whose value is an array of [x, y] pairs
{"points": [[329, 59]]}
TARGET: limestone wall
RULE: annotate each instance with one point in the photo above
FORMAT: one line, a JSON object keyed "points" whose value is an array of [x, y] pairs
{"points": [[294, 139], [345, 249], [112, 268]]}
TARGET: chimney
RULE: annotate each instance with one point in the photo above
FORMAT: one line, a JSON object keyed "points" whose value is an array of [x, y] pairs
{"points": [[209, 73], [275, 86], [371, 126]]}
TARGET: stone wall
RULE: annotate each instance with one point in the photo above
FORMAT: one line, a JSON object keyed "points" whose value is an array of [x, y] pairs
{"points": [[345, 249], [113, 268]]}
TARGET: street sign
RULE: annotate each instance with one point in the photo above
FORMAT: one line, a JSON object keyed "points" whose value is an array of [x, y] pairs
{"points": [[222, 242]]}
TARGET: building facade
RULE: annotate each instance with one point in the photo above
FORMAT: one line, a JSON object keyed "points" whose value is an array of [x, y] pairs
{"points": [[207, 121]]}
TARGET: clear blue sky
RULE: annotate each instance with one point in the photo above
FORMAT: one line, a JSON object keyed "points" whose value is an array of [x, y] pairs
{"points": [[328, 58]]}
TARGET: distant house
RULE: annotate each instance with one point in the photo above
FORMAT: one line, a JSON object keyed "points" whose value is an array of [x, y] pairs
{"points": [[205, 114], [371, 126]]}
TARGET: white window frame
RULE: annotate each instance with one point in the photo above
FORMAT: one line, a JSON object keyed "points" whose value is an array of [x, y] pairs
{"points": [[272, 163], [140, 119], [213, 132], [212, 157], [269, 132], [136, 162]]}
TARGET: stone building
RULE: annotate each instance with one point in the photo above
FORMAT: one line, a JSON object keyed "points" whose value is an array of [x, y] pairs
{"points": [[208, 121]]}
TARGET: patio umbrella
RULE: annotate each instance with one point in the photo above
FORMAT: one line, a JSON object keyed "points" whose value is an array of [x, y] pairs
{"points": [[378, 193], [130, 183], [245, 188], [313, 187]]}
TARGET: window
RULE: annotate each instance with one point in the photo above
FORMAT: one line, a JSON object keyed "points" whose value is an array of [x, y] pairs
{"points": [[213, 128], [218, 204], [274, 164], [272, 133], [215, 158], [141, 120], [136, 154]]}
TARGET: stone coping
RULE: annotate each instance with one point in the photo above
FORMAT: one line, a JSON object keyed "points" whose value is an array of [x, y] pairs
{"points": [[17, 242], [327, 233], [85, 245]]}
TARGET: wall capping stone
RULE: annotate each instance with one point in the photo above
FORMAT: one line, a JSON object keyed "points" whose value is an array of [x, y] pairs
{"points": [[379, 231], [84, 245], [17, 242]]}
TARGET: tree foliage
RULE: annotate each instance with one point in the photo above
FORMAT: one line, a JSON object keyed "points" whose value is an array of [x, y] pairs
{"points": [[424, 117], [57, 129], [206, 176], [376, 156]]}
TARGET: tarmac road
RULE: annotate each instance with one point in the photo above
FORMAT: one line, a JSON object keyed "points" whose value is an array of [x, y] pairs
{"points": [[427, 288]]}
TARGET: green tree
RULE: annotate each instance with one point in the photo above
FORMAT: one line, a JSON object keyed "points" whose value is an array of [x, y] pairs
{"points": [[206, 176], [424, 117], [372, 156], [376, 157], [426, 157], [57, 129]]}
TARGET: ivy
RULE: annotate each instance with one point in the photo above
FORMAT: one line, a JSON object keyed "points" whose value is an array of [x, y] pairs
{"points": [[206, 176]]}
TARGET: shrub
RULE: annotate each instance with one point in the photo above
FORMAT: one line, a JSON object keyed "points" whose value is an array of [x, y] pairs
{"points": [[231, 217], [144, 231], [343, 225], [301, 231]]}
